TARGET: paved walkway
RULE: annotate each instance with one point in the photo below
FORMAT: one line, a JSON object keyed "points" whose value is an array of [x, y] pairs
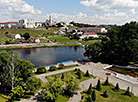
{"points": [[96, 69]]}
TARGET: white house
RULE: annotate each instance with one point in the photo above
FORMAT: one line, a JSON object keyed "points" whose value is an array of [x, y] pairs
{"points": [[37, 40], [26, 23], [93, 29], [89, 35]]}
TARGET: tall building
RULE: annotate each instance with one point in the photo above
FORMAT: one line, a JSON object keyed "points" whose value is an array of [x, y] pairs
{"points": [[26, 23]]}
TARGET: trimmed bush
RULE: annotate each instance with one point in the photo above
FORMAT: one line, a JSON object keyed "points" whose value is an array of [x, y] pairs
{"points": [[61, 65], [41, 69], [89, 99], [62, 77], [52, 68], [79, 74]]}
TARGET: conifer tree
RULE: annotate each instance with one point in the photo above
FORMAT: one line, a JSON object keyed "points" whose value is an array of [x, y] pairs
{"points": [[93, 96], [87, 74], [62, 77], [89, 99], [98, 86], [127, 92], [106, 82], [117, 87], [90, 89]]}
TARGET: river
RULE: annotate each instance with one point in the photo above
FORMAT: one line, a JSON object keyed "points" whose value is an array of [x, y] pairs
{"points": [[52, 55]]}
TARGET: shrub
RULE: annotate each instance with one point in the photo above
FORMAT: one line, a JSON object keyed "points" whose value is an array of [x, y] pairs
{"points": [[41, 69], [75, 69], [98, 86], [106, 82], [87, 74], [93, 96], [61, 65], [62, 77], [52, 68], [89, 99], [105, 94]]}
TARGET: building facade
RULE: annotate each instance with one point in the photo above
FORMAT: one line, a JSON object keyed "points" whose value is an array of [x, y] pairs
{"points": [[26, 23]]}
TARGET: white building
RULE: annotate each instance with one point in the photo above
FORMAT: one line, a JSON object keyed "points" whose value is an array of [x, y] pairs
{"points": [[93, 29], [38, 24], [89, 35], [26, 23]]}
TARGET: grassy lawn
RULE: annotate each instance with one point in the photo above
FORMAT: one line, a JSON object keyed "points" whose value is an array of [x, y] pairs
{"points": [[72, 73], [131, 72], [65, 67], [113, 96], [33, 33], [61, 98], [61, 39]]}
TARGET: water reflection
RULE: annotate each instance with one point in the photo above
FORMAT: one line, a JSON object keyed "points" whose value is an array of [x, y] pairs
{"points": [[47, 56]]}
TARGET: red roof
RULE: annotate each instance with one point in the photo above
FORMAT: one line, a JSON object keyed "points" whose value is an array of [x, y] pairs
{"points": [[38, 22], [90, 33], [90, 28], [9, 23]]}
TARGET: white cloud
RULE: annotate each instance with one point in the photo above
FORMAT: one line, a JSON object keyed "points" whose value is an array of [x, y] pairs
{"points": [[108, 18], [13, 9], [107, 5]]}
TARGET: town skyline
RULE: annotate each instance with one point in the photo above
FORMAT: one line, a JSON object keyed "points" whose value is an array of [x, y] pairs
{"points": [[81, 11]]}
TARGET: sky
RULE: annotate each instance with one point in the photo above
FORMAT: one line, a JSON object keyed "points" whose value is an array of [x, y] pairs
{"points": [[82, 11]]}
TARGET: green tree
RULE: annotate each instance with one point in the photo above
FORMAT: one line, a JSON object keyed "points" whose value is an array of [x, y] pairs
{"points": [[26, 36], [98, 86], [106, 82], [93, 95], [120, 46], [90, 89], [117, 87], [47, 96], [87, 74]]}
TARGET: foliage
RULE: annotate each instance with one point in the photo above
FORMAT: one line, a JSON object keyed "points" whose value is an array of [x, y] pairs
{"points": [[118, 47], [98, 86], [93, 95], [106, 82], [26, 36], [87, 74], [105, 94], [90, 89], [52, 68], [18, 92], [61, 65], [41, 69]]}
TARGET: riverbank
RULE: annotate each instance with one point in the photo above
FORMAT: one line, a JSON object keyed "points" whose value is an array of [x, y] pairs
{"points": [[35, 45]]}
